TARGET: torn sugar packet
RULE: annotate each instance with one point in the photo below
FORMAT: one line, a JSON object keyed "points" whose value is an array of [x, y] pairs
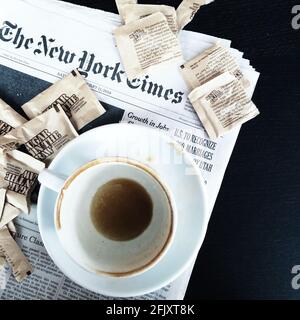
{"points": [[73, 94], [43, 136], [146, 43], [18, 175], [9, 118], [222, 104], [9, 249], [187, 10], [209, 64], [9, 214], [133, 12], [120, 6]]}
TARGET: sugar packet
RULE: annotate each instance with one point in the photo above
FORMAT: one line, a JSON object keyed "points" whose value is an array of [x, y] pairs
{"points": [[187, 10], [120, 6], [73, 94], [222, 104], [18, 175], [133, 12], [7, 211], [146, 43], [9, 249], [9, 214], [43, 136], [209, 64], [9, 118]]}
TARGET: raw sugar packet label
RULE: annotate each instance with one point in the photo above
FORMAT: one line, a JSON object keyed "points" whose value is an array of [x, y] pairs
{"points": [[13, 255], [18, 175], [133, 12], [222, 104], [43, 136], [73, 94]]}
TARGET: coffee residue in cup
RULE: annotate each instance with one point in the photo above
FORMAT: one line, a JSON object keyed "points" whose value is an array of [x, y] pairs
{"points": [[121, 209]]}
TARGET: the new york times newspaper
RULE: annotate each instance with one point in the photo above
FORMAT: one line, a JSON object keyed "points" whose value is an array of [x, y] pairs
{"points": [[36, 53]]}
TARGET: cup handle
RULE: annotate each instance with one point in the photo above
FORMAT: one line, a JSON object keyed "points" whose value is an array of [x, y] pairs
{"points": [[52, 180]]}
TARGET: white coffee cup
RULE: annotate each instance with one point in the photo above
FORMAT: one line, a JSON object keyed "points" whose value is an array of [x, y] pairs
{"points": [[85, 244]]}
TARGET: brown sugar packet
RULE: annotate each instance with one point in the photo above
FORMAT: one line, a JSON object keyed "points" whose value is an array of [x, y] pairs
{"points": [[21, 267], [209, 64], [222, 104], [12, 230], [43, 136], [187, 10], [9, 118], [133, 12], [18, 174], [9, 213], [74, 95], [120, 6], [146, 43]]}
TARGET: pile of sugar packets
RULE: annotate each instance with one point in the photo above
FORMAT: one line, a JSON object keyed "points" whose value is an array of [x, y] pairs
{"points": [[220, 91], [56, 114]]}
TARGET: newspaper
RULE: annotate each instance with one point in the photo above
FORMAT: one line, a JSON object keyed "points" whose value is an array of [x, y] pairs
{"points": [[158, 100]]}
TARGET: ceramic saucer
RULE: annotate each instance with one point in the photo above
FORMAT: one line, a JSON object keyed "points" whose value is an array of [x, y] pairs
{"points": [[175, 167]]}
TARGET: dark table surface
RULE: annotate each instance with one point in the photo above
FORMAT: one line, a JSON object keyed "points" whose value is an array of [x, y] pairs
{"points": [[253, 239]]}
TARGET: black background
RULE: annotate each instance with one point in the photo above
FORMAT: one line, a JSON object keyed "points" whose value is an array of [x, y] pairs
{"points": [[253, 239]]}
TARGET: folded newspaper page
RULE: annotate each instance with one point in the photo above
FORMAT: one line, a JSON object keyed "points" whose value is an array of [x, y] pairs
{"points": [[157, 100]]}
